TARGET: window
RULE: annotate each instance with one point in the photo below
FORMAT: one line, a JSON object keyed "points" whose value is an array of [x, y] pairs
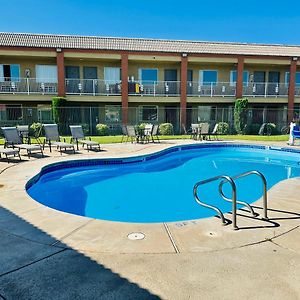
{"points": [[208, 77], [44, 113], [112, 75], [14, 112], [287, 78], [10, 72], [46, 73], [148, 113], [233, 77], [204, 113], [113, 113], [148, 76]]}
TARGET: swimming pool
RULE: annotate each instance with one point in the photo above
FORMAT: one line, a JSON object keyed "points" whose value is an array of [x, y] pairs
{"points": [[159, 187]]}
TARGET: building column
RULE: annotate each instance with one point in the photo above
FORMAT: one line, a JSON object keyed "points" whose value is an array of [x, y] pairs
{"points": [[60, 62], [183, 90], [124, 76], [291, 98], [239, 78]]}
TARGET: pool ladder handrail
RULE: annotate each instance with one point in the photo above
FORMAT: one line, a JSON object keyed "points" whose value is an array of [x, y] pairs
{"points": [[219, 212], [231, 180]]}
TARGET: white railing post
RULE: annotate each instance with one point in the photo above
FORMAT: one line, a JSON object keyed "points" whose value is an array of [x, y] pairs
{"points": [[27, 85], [266, 89], [94, 89], [154, 91], [211, 89]]}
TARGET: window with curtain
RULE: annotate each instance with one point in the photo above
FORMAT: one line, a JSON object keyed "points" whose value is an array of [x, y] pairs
{"points": [[233, 78], [148, 76], [10, 72], [208, 77], [46, 73], [287, 79], [112, 75]]}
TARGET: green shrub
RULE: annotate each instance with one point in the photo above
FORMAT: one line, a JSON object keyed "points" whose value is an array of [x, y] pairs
{"points": [[102, 129], [141, 126], [251, 129], [166, 129], [36, 129], [240, 114], [85, 128], [223, 128], [271, 129]]}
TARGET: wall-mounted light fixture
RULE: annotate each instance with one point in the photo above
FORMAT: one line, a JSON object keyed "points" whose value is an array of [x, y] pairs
{"points": [[58, 50], [295, 58], [184, 55]]}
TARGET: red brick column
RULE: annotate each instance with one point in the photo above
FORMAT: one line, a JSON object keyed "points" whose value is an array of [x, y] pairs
{"points": [[239, 78], [183, 91], [60, 61], [291, 98], [124, 75]]}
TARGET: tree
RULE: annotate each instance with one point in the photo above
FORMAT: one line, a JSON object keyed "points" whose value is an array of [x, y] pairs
{"points": [[240, 114]]}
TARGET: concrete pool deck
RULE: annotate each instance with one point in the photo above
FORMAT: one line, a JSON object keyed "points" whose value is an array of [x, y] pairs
{"points": [[50, 254]]}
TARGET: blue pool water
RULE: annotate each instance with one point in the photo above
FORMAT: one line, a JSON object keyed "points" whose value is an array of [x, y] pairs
{"points": [[159, 187]]}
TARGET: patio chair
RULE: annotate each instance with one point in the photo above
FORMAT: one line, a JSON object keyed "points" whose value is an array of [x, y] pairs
{"points": [[295, 133], [78, 137], [154, 133], [204, 131], [9, 152], [214, 132], [195, 130], [12, 139], [124, 132], [53, 138], [131, 134], [148, 132]]}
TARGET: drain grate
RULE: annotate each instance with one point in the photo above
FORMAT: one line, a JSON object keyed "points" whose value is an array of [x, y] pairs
{"points": [[134, 236]]}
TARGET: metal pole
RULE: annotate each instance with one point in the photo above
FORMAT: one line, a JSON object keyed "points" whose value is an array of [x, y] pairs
{"points": [[91, 122]]}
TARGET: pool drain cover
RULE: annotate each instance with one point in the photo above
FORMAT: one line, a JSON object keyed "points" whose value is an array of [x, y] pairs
{"points": [[136, 236]]}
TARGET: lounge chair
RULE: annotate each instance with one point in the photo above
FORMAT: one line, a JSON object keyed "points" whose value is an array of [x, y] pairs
{"points": [[53, 138], [12, 139], [78, 137], [23, 131], [9, 152]]}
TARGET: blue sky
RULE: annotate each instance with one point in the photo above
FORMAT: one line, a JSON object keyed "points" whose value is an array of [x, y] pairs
{"points": [[237, 21]]}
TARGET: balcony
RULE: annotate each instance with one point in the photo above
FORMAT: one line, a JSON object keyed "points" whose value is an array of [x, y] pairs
{"points": [[28, 86], [94, 87], [219, 89], [154, 88], [266, 90]]}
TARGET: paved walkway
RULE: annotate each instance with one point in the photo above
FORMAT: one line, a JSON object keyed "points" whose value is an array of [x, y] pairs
{"points": [[46, 254]]}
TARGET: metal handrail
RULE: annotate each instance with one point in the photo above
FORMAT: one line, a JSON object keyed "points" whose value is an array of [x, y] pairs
{"points": [[265, 196], [234, 208]]}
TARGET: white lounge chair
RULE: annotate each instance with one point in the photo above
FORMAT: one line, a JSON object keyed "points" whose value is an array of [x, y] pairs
{"points": [[12, 139], [9, 152], [78, 137], [53, 138]]}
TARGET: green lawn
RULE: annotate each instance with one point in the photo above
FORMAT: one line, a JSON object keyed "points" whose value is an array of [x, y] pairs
{"points": [[118, 138]]}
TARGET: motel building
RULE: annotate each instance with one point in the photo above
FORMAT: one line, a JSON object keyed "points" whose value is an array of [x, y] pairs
{"points": [[130, 81]]}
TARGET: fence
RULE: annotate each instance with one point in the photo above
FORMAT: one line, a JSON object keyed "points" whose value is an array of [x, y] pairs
{"points": [[111, 115]]}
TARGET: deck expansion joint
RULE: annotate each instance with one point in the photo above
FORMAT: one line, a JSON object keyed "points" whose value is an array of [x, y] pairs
{"points": [[33, 262], [171, 238]]}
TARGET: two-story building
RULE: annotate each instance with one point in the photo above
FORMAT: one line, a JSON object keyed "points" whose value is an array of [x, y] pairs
{"points": [[128, 80]]}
